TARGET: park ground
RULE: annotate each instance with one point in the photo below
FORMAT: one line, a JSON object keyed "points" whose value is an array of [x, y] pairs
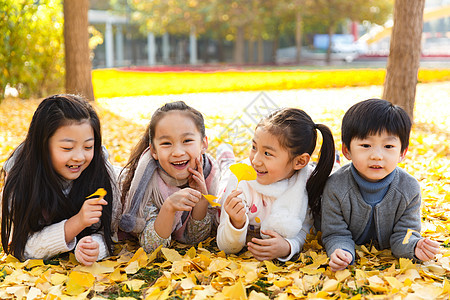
{"points": [[202, 271]]}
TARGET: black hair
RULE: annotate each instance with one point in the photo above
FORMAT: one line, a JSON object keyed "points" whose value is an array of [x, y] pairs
{"points": [[33, 195], [147, 137], [374, 116], [296, 131]]}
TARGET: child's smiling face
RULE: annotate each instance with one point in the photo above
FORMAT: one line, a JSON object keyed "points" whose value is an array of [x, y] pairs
{"points": [[375, 156], [177, 143], [270, 160], [72, 149]]}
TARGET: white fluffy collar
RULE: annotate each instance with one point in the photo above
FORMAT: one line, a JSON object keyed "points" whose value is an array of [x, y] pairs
{"points": [[290, 207]]}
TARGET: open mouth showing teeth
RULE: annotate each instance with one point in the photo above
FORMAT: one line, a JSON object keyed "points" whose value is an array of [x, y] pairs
{"points": [[180, 164], [73, 167], [376, 167], [261, 173]]}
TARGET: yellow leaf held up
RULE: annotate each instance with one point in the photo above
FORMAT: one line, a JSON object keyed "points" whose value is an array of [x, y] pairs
{"points": [[243, 172], [408, 236], [211, 199], [101, 193]]}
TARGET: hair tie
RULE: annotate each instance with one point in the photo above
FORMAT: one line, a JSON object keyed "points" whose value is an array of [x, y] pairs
{"points": [[316, 126]]}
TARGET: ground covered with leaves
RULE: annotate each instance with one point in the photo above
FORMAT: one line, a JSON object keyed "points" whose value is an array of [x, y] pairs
{"points": [[202, 271]]}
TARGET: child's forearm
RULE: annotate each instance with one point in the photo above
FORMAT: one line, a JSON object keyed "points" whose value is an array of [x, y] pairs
{"points": [[73, 227], [200, 209], [164, 222]]}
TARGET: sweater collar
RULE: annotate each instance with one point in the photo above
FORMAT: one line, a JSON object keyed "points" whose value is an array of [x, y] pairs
{"points": [[372, 187]]}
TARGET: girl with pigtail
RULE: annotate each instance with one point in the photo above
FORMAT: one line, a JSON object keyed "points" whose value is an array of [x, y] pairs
{"points": [[273, 214]]}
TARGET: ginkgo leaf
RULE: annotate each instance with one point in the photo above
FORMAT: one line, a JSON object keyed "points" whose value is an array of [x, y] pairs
{"points": [[243, 172], [236, 291], [101, 193], [78, 282], [271, 268], [211, 199], [408, 235], [141, 257], [171, 254], [135, 284]]}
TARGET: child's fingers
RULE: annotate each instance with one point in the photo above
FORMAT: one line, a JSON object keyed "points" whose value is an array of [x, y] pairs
{"points": [[430, 251], [270, 233], [431, 244], [236, 207], [199, 163], [194, 193], [89, 253], [336, 265], [85, 258], [231, 196], [96, 202], [344, 256]]}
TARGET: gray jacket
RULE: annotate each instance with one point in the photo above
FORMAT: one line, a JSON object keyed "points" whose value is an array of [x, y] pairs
{"points": [[345, 214]]}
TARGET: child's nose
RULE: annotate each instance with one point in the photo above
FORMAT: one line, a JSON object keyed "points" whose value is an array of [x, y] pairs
{"points": [[78, 155], [256, 159], [178, 150], [376, 154]]}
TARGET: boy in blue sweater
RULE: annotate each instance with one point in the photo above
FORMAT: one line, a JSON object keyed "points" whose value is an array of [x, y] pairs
{"points": [[371, 199]]}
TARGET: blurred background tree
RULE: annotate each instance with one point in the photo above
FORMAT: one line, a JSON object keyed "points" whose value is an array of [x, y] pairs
{"points": [[31, 47]]}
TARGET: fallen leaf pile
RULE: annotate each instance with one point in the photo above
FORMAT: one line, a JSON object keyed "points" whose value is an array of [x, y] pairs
{"points": [[202, 271]]}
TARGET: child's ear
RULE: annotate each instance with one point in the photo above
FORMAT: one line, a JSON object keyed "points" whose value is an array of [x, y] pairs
{"points": [[300, 161], [204, 145], [153, 153], [346, 152], [402, 155]]}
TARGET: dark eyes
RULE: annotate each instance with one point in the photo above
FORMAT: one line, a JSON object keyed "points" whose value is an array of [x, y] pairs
{"points": [[368, 146]]}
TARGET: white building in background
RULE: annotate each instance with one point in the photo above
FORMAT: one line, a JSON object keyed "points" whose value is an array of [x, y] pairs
{"points": [[435, 36]]}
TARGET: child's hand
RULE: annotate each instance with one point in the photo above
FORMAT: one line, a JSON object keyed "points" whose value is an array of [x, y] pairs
{"points": [[197, 179], [183, 200], [267, 249], [91, 211], [235, 208], [426, 249], [86, 251], [340, 259]]}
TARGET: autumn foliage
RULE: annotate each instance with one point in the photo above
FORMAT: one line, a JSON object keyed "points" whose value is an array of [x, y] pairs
{"points": [[202, 271]]}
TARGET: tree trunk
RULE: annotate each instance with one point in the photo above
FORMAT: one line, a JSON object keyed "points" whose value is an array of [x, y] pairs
{"points": [[276, 42], [251, 50], [221, 49], [76, 39], [330, 44], [298, 35], [239, 46], [260, 50], [404, 54]]}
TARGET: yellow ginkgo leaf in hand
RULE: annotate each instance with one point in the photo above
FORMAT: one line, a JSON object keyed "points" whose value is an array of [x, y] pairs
{"points": [[243, 171], [408, 235], [211, 199], [101, 192]]}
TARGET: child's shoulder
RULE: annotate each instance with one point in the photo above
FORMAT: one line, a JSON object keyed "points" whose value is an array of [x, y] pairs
{"points": [[405, 182], [342, 175]]}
